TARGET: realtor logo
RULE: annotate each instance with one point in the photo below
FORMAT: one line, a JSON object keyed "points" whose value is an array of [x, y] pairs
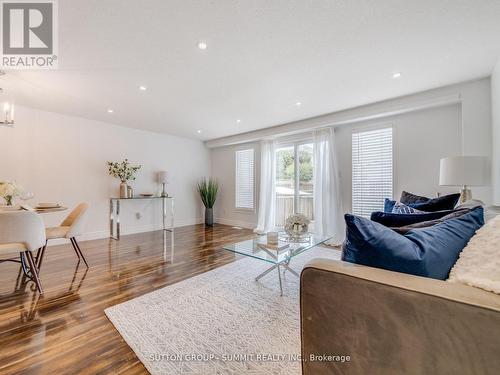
{"points": [[29, 34]]}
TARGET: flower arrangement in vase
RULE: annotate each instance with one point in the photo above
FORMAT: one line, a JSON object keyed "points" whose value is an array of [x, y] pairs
{"points": [[125, 172], [9, 191]]}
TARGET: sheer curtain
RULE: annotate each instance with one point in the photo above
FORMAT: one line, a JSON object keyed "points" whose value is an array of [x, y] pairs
{"points": [[328, 210], [267, 194]]}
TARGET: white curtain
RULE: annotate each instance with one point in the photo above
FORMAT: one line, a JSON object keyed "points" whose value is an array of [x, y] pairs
{"points": [[267, 194], [328, 210]]}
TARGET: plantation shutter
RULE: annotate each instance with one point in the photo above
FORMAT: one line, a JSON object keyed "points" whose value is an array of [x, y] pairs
{"points": [[245, 179], [371, 170]]}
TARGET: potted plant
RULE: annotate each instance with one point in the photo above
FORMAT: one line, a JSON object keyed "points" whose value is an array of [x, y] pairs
{"points": [[125, 172], [208, 189], [9, 191]]}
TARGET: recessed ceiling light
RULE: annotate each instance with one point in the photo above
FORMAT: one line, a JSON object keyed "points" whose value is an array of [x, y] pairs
{"points": [[110, 110], [143, 88], [238, 121], [202, 45], [198, 131], [298, 104], [396, 75]]}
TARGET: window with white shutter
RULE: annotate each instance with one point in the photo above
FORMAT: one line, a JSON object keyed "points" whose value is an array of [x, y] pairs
{"points": [[371, 170], [245, 179]]}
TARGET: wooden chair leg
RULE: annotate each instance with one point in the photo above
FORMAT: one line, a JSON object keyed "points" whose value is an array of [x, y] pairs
{"points": [[80, 251], [72, 239], [34, 271]]}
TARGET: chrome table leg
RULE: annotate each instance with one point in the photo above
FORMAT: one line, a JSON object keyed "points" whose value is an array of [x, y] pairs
{"points": [[279, 277], [118, 219], [172, 225], [265, 272], [286, 267], [114, 220]]}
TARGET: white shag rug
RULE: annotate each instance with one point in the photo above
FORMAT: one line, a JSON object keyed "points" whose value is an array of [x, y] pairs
{"points": [[219, 322]]}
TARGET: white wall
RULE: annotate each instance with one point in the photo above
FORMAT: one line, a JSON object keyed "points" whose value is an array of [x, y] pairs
{"points": [[476, 120], [422, 137], [495, 106], [223, 168], [62, 158]]}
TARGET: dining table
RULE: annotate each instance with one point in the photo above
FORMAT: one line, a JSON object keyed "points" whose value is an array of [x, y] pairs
{"points": [[38, 210]]}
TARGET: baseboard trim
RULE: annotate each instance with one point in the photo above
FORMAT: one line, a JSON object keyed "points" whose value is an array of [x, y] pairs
{"points": [[97, 235], [235, 223]]}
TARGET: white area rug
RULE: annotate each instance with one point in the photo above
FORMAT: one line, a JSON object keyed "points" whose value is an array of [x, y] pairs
{"points": [[220, 322]]}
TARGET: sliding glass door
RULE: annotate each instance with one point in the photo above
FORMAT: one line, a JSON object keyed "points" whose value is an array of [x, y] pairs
{"points": [[294, 181], [305, 181], [285, 184]]}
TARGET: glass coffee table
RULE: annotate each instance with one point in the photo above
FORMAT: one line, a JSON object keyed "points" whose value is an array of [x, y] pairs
{"points": [[279, 255]]}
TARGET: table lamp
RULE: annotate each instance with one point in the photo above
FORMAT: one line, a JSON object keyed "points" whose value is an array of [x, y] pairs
{"points": [[464, 171], [163, 179]]}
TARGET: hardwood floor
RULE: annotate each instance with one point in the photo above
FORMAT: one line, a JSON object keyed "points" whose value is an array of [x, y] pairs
{"points": [[65, 331]]}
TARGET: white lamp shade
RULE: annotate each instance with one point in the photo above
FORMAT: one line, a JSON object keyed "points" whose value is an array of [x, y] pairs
{"points": [[464, 170], [163, 177]]}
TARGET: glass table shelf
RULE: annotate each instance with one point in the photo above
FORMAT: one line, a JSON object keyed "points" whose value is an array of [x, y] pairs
{"points": [[279, 254], [260, 249]]}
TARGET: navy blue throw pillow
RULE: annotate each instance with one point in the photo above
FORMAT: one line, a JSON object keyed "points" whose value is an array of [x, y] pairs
{"points": [[409, 198], [446, 202], [390, 219], [430, 223], [429, 252]]}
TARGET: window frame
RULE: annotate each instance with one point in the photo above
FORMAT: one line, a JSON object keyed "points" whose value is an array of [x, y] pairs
{"points": [[373, 127], [244, 209]]}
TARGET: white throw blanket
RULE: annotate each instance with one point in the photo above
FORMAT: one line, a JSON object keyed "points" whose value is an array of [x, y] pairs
{"points": [[479, 262]]}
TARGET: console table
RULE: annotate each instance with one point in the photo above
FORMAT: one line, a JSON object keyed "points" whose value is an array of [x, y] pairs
{"points": [[114, 214]]}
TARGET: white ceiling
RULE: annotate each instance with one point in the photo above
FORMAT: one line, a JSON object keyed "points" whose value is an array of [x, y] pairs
{"points": [[263, 56]]}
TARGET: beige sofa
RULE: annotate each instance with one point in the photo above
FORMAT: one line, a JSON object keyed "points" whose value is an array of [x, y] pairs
{"points": [[393, 323]]}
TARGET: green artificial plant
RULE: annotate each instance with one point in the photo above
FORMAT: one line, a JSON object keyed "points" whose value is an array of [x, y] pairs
{"points": [[208, 189]]}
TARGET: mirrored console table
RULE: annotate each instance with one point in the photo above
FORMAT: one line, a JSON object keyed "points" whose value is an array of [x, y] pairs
{"points": [[114, 214]]}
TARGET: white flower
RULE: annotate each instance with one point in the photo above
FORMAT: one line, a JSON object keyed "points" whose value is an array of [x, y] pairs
{"points": [[10, 189]]}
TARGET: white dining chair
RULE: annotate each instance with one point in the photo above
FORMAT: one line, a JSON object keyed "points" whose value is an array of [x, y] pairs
{"points": [[70, 228], [22, 233]]}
